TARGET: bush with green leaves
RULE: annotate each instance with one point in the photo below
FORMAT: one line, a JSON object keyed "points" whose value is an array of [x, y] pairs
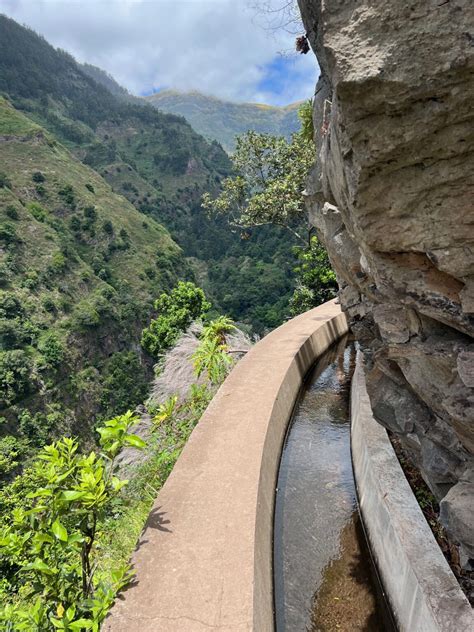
{"points": [[68, 196], [16, 332], [316, 281], [108, 227], [305, 114], [52, 349], [50, 546], [124, 384], [176, 311], [10, 305], [12, 212], [15, 371], [42, 427], [12, 451], [4, 181], [38, 212], [38, 177], [8, 234]]}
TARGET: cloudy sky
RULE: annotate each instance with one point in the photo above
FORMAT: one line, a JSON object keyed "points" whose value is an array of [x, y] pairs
{"points": [[220, 47]]}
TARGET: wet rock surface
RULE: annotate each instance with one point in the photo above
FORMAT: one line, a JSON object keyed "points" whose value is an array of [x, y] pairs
{"points": [[392, 198]]}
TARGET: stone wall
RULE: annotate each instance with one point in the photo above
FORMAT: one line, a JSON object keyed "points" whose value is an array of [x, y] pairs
{"points": [[392, 196]]}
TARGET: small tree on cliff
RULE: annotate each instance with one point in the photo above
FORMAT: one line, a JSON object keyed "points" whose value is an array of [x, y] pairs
{"points": [[268, 185], [267, 188]]}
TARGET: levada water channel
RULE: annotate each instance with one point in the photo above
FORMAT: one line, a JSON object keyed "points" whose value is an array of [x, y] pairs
{"points": [[323, 574]]}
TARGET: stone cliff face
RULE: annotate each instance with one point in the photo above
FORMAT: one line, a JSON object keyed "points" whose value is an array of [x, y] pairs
{"points": [[392, 196]]}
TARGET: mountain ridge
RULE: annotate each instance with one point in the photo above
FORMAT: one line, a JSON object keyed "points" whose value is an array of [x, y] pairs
{"points": [[222, 120]]}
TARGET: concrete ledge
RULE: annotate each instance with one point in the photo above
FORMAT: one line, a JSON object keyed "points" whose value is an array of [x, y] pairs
{"points": [[422, 591], [204, 560]]}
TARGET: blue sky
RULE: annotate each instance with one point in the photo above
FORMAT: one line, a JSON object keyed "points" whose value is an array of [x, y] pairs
{"points": [[220, 47]]}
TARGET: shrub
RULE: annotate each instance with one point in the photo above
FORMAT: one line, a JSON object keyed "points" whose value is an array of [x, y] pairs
{"points": [[108, 227], [14, 333], [305, 114], [40, 427], [54, 542], [40, 190], [4, 181], [12, 450], [48, 304], [90, 213], [58, 263], [124, 384], [8, 234], [15, 371], [38, 212], [104, 274], [10, 305], [316, 281], [86, 315], [11, 212], [52, 349], [75, 223], [90, 188], [38, 177], [31, 280], [176, 311], [67, 194]]}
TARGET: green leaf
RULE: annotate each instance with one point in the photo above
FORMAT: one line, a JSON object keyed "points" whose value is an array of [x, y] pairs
{"points": [[135, 441], [40, 492], [39, 565], [59, 531], [71, 495], [81, 624]]}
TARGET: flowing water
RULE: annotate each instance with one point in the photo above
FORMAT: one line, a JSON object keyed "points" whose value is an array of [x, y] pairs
{"points": [[322, 567]]}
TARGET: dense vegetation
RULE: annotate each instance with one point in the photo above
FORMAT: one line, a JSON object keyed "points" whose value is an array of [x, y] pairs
{"points": [[267, 190], [62, 557], [157, 162], [80, 267], [224, 120]]}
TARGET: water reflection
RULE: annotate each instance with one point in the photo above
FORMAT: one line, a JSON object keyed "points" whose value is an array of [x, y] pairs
{"points": [[321, 570]]}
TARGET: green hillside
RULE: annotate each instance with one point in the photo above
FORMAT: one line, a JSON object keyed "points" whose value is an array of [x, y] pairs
{"points": [[158, 162], [79, 269], [224, 120]]}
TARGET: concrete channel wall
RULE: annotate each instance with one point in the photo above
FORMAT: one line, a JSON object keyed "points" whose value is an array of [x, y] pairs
{"points": [[204, 560], [422, 591]]}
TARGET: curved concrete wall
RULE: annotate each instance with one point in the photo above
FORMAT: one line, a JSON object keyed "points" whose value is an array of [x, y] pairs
{"points": [[423, 593], [204, 560]]}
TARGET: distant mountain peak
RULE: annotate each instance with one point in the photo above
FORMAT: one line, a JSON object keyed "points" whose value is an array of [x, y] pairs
{"points": [[222, 120]]}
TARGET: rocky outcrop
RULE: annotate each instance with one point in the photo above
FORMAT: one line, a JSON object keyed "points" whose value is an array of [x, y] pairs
{"points": [[392, 196]]}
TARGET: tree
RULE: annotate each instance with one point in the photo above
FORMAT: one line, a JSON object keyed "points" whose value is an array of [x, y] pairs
{"points": [[267, 188], [176, 311]]}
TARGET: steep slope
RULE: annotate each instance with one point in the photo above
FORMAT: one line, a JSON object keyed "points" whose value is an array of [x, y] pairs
{"points": [[79, 269], [395, 123], [158, 162], [224, 120]]}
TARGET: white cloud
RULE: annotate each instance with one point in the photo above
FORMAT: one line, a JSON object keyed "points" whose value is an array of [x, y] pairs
{"points": [[215, 46]]}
